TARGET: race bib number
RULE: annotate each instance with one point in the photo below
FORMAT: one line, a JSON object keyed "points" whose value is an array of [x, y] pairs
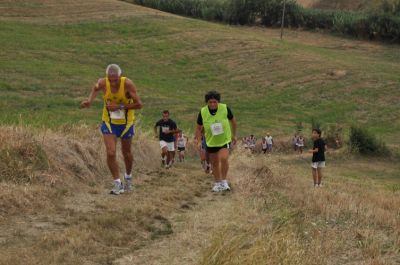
{"points": [[118, 114], [165, 129], [217, 129]]}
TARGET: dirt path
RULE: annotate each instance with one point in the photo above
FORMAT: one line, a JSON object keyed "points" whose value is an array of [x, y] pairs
{"points": [[193, 228]]}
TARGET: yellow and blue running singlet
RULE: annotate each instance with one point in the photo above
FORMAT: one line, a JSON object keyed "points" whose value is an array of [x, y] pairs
{"points": [[119, 122]]}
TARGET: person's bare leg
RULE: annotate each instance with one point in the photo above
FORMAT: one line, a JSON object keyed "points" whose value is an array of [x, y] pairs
{"points": [[171, 154], [223, 155], [314, 174], [319, 176], [215, 166], [164, 155], [127, 154], [110, 141]]}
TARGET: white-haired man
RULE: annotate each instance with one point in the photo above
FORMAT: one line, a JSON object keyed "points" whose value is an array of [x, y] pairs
{"points": [[120, 101]]}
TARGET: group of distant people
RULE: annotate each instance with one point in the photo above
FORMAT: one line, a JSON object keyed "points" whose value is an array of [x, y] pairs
{"points": [[298, 143], [171, 139], [250, 142], [215, 133]]}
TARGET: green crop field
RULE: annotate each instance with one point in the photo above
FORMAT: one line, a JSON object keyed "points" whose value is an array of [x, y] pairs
{"points": [[48, 65]]}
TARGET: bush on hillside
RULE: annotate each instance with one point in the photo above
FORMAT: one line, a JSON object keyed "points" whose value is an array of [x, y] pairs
{"points": [[334, 136], [363, 142]]}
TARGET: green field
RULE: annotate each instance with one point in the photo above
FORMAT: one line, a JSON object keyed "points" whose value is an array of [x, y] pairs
{"points": [[47, 67]]}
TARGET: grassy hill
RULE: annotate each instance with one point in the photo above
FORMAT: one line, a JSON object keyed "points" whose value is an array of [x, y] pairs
{"points": [[54, 206], [52, 55]]}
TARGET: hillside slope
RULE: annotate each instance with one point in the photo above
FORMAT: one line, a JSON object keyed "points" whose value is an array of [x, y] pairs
{"points": [[54, 201], [56, 50]]}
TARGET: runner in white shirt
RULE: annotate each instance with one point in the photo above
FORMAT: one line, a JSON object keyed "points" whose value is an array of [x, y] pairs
{"points": [[264, 145], [269, 141], [181, 142], [252, 143], [300, 144], [294, 142]]}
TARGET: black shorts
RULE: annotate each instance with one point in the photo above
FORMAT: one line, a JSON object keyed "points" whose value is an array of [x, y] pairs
{"points": [[212, 150], [180, 149]]}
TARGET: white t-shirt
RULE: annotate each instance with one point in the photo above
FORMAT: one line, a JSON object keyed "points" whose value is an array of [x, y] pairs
{"points": [[268, 139], [264, 145], [181, 142]]}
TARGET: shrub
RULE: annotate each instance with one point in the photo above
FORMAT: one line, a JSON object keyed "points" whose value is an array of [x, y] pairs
{"points": [[365, 143], [334, 136]]}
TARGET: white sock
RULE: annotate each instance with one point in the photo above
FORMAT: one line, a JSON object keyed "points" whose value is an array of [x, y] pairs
{"points": [[224, 181], [128, 176], [117, 180]]}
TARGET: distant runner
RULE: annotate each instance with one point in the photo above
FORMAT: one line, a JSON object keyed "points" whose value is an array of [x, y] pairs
{"points": [[270, 142], [252, 143], [294, 142], [300, 144], [204, 155], [181, 142], [219, 126], [120, 101], [318, 158], [264, 145], [166, 134]]}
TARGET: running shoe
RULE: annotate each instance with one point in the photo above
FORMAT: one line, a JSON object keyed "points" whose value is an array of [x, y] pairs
{"points": [[117, 189], [225, 186], [128, 184], [217, 187]]}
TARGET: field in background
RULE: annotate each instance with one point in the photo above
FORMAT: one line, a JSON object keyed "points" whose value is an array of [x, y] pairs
{"points": [[54, 206], [49, 62]]}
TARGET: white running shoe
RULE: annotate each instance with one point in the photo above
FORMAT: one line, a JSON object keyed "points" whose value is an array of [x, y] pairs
{"points": [[117, 189], [128, 184], [225, 186], [217, 187]]}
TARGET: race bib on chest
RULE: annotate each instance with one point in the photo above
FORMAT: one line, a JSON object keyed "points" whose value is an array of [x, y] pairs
{"points": [[165, 129], [118, 114], [217, 129]]}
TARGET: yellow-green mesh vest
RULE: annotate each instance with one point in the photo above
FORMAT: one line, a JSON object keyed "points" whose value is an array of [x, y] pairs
{"points": [[221, 116]]}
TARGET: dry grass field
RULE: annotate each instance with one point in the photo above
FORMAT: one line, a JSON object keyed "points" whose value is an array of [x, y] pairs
{"points": [[54, 183], [61, 212]]}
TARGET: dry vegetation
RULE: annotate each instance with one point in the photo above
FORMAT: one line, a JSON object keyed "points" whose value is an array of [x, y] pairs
{"points": [[62, 213]]}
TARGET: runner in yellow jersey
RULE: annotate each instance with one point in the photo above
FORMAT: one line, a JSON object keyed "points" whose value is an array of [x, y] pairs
{"points": [[120, 100], [219, 125]]}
